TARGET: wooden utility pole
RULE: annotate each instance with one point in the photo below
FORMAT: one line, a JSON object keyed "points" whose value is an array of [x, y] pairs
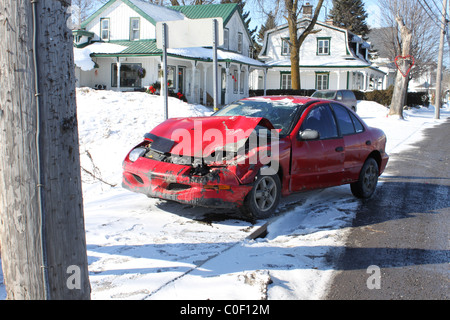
{"points": [[437, 102], [41, 207]]}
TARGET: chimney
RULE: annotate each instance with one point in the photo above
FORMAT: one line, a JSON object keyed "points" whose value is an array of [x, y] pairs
{"points": [[307, 10]]}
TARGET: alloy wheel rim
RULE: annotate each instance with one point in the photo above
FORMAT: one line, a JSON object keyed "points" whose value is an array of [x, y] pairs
{"points": [[265, 193], [370, 178]]}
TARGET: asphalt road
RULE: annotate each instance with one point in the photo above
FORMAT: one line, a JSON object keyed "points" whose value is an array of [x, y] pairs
{"points": [[403, 230]]}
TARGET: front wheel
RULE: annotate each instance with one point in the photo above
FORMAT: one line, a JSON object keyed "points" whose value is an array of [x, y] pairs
{"points": [[368, 179], [262, 201]]}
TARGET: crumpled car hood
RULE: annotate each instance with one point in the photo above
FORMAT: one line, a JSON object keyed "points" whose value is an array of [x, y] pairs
{"points": [[200, 136]]}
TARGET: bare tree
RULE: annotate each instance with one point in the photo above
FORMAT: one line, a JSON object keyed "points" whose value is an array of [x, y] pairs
{"points": [[80, 10], [295, 39], [401, 79], [403, 15], [290, 10]]}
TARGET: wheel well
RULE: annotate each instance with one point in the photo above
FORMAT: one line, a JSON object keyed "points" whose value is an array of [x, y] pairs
{"points": [[280, 174], [377, 156]]}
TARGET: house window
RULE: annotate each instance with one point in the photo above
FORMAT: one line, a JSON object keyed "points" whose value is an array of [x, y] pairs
{"points": [[134, 29], [104, 29], [323, 46], [226, 39], [239, 48], [286, 82], [285, 47], [322, 81], [129, 75]]}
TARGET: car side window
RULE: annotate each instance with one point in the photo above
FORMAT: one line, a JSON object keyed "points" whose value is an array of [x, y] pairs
{"points": [[343, 119], [321, 119], [358, 125]]}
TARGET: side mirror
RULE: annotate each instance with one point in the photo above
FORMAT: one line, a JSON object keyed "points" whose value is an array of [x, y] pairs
{"points": [[309, 134]]}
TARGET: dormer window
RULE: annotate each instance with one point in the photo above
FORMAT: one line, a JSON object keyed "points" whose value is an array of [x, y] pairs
{"points": [[226, 39], [285, 47], [104, 29], [323, 46], [134, 29], [239, 48]]}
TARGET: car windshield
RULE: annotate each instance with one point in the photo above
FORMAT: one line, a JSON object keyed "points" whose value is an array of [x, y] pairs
{"points": [[279, 112], [324, 94]]}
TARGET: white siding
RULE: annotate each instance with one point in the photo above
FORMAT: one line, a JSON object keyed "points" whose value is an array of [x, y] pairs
{"points": [[308, 51], [119, 15], [236, 26]]}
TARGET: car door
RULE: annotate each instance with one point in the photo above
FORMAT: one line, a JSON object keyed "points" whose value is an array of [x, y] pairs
{"points": [[317, 163], [355, 144]]}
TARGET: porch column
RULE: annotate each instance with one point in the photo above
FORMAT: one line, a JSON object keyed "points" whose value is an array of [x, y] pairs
{"points": [[364, 81], [205, 71], [246, 80], [118, 73], [239, 80], [227, 71], [194, 69], [338, 80], [265, 81]]}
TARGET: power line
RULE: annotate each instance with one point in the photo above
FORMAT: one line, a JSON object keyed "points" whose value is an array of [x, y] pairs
{"points": [[439, 9], [429, 15]]}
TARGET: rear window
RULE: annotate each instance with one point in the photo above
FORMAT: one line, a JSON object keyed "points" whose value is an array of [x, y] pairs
{"points": [[349, 95], [324, 94]]}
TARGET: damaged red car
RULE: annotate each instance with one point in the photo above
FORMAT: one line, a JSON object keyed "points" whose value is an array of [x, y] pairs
{"points": [[256, 150]]}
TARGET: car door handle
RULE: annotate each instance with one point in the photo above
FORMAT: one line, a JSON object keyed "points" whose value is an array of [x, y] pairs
{"points": [[339, 149], [368, 142]]}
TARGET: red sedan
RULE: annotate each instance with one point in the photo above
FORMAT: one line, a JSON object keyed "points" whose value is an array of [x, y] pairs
{"points": [[255, 150]]}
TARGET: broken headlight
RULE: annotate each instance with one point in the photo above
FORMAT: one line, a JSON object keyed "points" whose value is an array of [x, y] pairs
{"points": [[136, 153]]}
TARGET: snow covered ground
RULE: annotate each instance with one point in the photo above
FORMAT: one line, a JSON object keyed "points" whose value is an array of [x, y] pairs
{"points": [[141, 248]]}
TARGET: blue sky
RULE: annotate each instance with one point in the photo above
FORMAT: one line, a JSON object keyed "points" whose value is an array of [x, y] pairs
{"points": [[371, 7]]}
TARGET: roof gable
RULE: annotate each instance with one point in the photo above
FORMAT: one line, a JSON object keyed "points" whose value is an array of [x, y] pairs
{"points": [[318, 24], [152, 12]]}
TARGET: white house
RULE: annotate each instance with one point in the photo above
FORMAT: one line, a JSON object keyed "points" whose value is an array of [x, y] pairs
{"points": [[330, 58], [116, 48]]}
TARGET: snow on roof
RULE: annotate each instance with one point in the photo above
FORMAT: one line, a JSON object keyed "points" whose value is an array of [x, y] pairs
{"points": [[207, 53], [84, 61], [82, 57], [157, 12]]}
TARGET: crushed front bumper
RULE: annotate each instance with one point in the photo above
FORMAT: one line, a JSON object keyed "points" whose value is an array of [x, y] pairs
{"points": [[220, 188]]}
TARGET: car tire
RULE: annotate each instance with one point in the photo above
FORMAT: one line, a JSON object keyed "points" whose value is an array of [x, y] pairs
{"points": [[368, 179], [262, 201]]}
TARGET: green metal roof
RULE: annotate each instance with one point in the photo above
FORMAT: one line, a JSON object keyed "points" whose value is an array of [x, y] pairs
{"points": [[146, 47], [141, 47], [225, 11]]}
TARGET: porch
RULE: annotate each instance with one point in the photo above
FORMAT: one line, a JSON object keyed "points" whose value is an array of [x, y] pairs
{"points": [[190, 71]]}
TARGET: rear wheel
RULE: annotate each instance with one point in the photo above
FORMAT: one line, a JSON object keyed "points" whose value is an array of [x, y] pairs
{"points": [[262, 201], [368, 179]]}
